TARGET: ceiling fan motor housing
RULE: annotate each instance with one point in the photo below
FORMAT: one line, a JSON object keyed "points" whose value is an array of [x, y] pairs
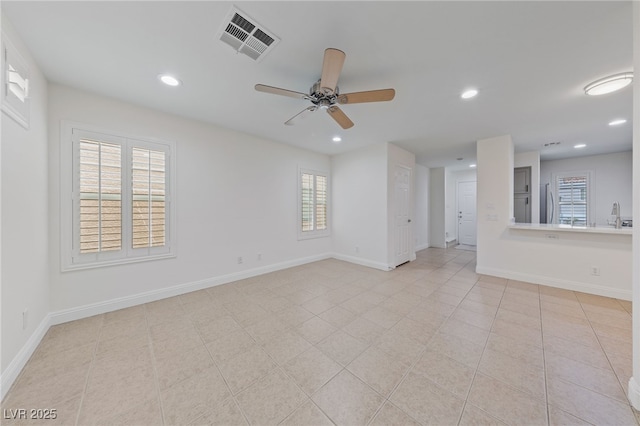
{"points": [[321, 98]]}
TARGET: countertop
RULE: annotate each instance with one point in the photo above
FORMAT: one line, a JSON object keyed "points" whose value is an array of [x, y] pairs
{"points": [[548, 227]]}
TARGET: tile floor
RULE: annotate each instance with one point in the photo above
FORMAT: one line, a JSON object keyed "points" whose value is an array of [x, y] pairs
{"points": [[334, 343]]}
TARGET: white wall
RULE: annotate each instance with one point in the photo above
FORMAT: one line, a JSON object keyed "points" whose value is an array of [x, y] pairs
{"points": [[437, 201], [611, 181], [359, 184], [421, 227], [397, 156], [531, 256], [24, 256], [531, 159], [236, 196]]}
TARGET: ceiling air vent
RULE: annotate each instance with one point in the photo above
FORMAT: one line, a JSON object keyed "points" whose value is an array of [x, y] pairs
{"points": [[246, 36]]}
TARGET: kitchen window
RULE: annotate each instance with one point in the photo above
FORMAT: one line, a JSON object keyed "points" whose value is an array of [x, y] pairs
{"points": [[574, 198]]}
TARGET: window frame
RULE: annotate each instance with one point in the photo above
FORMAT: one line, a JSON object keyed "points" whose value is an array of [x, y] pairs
{"points": [[587, 174], [71, 258], [314, 233]]}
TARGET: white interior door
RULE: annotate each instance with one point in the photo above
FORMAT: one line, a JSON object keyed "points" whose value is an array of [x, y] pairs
{"points": [[467, 213], [402, 215]]}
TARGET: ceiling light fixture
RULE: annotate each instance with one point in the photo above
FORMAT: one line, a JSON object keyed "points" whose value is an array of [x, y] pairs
{"points": [[337, 139], [473, 166], [169, 80], [609, 84], [468, 94], [617, 122], [580, 145]]}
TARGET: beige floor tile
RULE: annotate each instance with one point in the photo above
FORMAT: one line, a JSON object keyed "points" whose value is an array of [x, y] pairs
{"points": [[551, 305], [426, 402], [418, 331], [226, 414], [358, 305], [267, 329], [601, 380], [506, 403], [612, 345], [307, 414], [319, 304], [428, 316], [480, 320], [520, 317], [462, 350], [271, 399], [146, 413], [66, 412], [285, 346], [382, 316], [294, 315], [338, 316], [557, 417], [363, 329], [446, 372], [401, 347], [240, 372], [315, 330], [174, 366], [588, 405], [342, 347], [527, 354], [389, 414], [473, 416], [230, 346], [513, 372], [380, 370], [348, 401], [466, 331], [311, 370], [191, 398], [213, 330], [517, 332]]}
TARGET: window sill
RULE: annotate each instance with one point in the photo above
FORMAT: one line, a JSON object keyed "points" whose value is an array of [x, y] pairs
{"points": [[302, 237], [104, 264]]}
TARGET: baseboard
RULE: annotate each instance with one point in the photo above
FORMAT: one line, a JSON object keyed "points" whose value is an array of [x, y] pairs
{"points": [[11, 373], [85, 311], [558, 283], [422, 247], [364, 262], [634, 393]]}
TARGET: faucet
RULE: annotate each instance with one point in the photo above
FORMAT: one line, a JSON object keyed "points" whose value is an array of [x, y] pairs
{"points": [[616, 211]]}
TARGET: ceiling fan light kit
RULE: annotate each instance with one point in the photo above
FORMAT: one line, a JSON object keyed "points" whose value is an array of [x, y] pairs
{"points": [[325, 94]]}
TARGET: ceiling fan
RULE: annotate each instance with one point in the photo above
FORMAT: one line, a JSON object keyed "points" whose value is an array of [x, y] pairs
{"points": [[324, 94]]}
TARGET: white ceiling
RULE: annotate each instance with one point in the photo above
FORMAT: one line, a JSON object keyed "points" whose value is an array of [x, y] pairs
{"points": [[529, 60]]}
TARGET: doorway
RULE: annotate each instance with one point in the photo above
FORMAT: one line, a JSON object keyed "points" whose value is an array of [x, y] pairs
{"points": [[522, 194], [467, 213]]}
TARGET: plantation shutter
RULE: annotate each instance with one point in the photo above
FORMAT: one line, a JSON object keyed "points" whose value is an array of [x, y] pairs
{"points": [[572, 200], [307, 209], [100, 189], [148, 191], [321, 202]]}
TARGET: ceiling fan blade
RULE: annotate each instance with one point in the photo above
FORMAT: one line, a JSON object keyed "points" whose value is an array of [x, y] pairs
{"points": [[331, 68], [299, 116], [340, 117], [369, 96], [279, 91]]}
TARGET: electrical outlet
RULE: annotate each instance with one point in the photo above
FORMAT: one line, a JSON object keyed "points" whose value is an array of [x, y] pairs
{"points": [[240, 261], [595, 271], [25, 318]]}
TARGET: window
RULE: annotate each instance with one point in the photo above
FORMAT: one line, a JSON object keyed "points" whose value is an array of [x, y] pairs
{"points": [[573, 198], [120, 190], [313, 220]]}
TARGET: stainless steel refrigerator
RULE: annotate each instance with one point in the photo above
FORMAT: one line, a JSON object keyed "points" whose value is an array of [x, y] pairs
{"points": [[547, 207]]}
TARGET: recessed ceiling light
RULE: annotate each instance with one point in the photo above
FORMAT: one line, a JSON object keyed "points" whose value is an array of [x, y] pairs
{"points": [[580, 145], [468, 94], [617, 122], [337, 139], [609, 84], [169, 80], [472, 166]]}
